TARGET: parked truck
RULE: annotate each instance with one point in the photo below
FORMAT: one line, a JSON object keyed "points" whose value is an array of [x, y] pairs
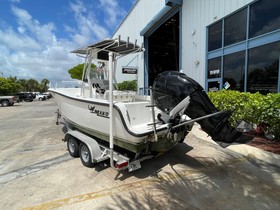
{"points": [[8, 100]]}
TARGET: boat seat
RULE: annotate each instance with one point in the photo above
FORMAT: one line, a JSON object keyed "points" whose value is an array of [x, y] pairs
{"points": [[100, 85]]}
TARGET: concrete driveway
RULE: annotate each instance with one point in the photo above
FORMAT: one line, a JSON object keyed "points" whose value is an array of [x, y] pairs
{"points": [[36, 172]]}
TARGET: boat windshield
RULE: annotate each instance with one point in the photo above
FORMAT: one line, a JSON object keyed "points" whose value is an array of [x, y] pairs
{"points": [[97, 76], [100, 72], [67, 84]]}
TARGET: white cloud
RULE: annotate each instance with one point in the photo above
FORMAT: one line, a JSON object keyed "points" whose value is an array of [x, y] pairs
{"points": [[42, 33], [15, 1], [21, 30], [30, 49], [88, 28], [110, 7], [113, 12], [15, 41]]}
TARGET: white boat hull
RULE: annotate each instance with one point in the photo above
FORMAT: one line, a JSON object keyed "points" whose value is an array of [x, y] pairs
{"points": [[131, 129]]}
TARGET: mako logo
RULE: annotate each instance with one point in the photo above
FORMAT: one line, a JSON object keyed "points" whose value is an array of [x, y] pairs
{"points": [[98, 112]]}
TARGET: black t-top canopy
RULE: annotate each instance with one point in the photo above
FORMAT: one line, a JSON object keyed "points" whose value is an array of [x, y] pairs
{"points": [[117, 46]]}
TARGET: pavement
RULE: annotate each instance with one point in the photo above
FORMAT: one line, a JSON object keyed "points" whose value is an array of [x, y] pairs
{"points": [[36, 172], [244, 149]]}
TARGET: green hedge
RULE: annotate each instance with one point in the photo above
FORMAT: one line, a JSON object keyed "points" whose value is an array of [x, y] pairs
{"points": [[254, 108], [128, 85]]}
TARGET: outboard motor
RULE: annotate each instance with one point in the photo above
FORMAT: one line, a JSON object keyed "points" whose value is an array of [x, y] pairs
{"points": [[172, 87]]}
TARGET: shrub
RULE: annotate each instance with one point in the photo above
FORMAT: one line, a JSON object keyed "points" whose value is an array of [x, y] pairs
{"points": [[257, 109], [128, 85]]}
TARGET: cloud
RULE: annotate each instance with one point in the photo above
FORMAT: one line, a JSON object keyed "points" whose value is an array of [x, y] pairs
{"points": [[32, 27], [15, 1], [95, 22], [112, 11], [31, 49], [14, 41], [88, 28]]}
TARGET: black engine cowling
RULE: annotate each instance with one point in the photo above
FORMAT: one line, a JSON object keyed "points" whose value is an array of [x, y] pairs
{"points": [[171, 87]]}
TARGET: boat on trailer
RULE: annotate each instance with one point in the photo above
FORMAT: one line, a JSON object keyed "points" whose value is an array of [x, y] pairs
{"points": [[125, 127]]}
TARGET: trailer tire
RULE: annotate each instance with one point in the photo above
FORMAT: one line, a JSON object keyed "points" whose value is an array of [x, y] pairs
{"points": [[73, 147], [85, 155]]}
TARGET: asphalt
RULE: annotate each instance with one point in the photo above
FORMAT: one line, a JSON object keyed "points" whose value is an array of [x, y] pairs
{"points": [[36, 172]]}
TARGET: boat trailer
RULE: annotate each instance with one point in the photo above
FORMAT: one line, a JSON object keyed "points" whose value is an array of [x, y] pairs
{"points": [[92, 152]]}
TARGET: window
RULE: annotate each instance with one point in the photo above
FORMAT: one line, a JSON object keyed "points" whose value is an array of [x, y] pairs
{"points": [[215, 36], [235, 27], [244, 49], [213, 86], [264, 17], [214, 68], [263, 68], [234, 68]]}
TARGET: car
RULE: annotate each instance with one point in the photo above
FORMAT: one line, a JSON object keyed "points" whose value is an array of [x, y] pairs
{"points": [[48, 95], [24, 96], [40, 96]]}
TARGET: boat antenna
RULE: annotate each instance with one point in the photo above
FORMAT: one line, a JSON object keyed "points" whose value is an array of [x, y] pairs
{"points": [[119, 40], [127, 42]]}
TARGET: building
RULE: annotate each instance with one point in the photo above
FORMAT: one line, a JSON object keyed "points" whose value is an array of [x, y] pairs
{"points": [[232, 44]]}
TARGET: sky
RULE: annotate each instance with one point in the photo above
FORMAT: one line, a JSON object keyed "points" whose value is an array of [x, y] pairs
{"points": [[36, 36]]}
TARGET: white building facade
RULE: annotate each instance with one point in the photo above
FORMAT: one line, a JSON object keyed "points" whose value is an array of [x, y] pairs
{"points": [[232, 44]]}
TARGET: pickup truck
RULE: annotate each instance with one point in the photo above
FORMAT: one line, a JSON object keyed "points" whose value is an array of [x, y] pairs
{"points": [[8, 100]]}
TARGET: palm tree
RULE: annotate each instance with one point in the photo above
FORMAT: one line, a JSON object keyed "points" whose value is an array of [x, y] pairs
{"points": [[32, 85], [23, 83], [44, 84]]}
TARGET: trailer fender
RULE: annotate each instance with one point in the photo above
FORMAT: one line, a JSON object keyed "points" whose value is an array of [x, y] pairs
{"points": [[91, 143]]}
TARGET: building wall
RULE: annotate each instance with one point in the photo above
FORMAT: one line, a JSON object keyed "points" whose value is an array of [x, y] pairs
{"points": [[196, 15], [140, 15]]}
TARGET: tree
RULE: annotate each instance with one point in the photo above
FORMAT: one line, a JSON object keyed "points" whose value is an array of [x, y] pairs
{"points": [[22, 82], [77, 71], [44, 84], [32, 85], [9, 86], [4, 86]]}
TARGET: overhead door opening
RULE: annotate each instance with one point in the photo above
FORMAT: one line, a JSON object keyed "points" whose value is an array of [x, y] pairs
{"points": [[163, 48]]}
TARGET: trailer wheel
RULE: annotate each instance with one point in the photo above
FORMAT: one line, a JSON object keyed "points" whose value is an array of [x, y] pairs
{"points": [[85, 155], [73, 147]]}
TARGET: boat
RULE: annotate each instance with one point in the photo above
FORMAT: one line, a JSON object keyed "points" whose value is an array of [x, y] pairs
{"points": [[124, 126]]}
